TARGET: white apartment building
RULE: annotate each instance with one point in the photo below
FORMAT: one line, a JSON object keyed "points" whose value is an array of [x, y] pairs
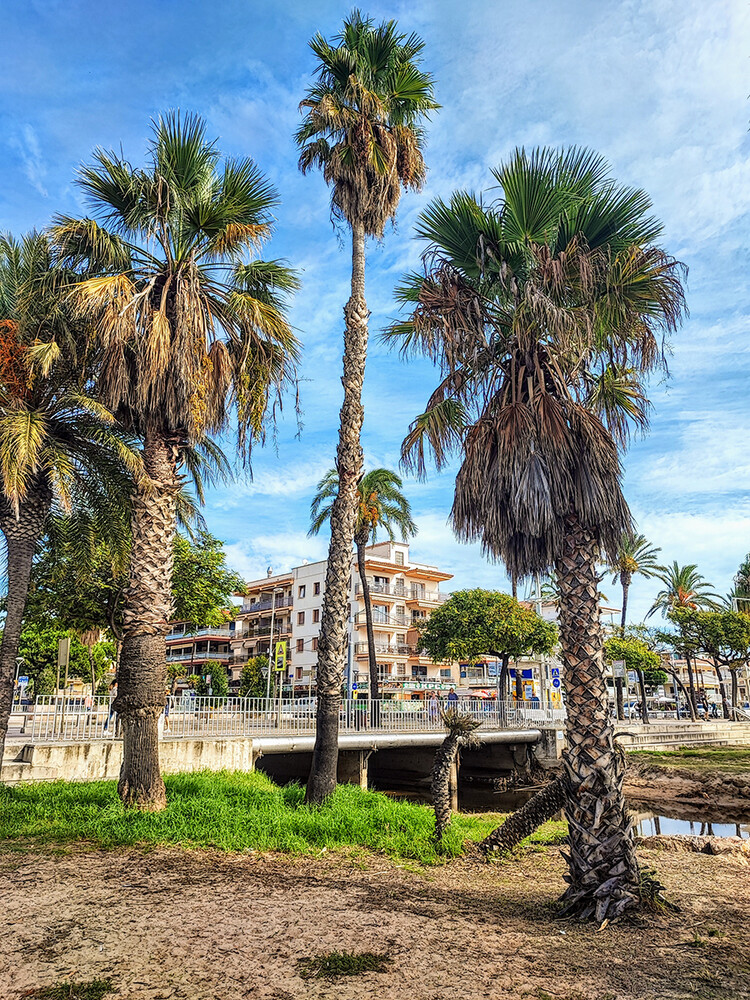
{"points": [[401, 593]]}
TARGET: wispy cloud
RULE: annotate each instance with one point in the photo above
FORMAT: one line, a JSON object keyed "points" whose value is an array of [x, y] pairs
{"points": [[26, 144]]}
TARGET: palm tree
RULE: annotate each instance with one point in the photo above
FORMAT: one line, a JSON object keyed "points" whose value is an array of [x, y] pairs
{"points": [[684, 587], [194, 334], [541, 310], [362, 128], [381, 505], [58, 445], [634, 555]]}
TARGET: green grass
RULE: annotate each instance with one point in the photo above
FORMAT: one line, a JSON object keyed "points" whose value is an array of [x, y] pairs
{"points": [[234, 812], [731, 759], [95, 989], [342, 963]]}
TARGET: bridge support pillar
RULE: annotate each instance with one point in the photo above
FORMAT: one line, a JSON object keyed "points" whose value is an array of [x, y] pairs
{"points": [[352, 768], [550, 747]]}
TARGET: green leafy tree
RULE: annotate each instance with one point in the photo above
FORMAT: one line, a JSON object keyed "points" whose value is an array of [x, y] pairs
{"points": [[635, 556], [195, 337], [382, 506], [362, 127], [724, 636], [214, 679], [545, 312], [474, 623], [684, 587], [202, 583], [639, 658], [38, 647], [253, 677], [59, 447]]}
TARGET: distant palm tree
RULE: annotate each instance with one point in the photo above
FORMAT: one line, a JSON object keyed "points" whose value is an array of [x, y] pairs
{"points": [[59, 447], [362, 128], [684, 587], [381, 505], [194, 336], [544, 312], [635, 555]]}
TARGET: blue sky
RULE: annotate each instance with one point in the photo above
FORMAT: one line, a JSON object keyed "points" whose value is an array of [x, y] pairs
{"points": [[660, 87]]}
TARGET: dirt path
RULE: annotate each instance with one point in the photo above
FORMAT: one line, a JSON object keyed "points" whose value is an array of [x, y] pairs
{"points": [[175, 925]]}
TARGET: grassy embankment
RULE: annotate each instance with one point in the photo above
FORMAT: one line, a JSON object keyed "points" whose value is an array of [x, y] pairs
{"points": [[724, 759], [236, 812]]}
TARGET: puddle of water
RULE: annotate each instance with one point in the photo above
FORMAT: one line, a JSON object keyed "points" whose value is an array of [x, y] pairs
{"points": [[688, 819]]}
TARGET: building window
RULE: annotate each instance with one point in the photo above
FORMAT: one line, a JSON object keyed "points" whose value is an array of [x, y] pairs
{"points": [[301, 591], [298, 673], [316, 589], [445, 673], [300, 645], [300, 617], [315, 644], [316, 616], [399, 558]]}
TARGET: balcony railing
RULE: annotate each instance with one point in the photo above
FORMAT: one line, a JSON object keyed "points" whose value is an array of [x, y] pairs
{"points": [[385, 649], [379, 619], [279, 629], [388, 589], [426, 596], [280, 602], [219, 632]]}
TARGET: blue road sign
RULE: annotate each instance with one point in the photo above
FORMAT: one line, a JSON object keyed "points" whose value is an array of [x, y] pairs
{"points": [[555, 671], [555, 682], [354, 686]]}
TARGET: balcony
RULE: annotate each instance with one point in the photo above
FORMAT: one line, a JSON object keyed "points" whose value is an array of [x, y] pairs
{"points": [[384, 649], [220, 632], [281, 602], [426, 596], [383, 621], [382, 589], [198, 657], [258, 631]]}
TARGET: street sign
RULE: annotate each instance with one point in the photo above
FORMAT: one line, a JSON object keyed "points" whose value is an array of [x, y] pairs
{"points": [[63, 651], [555, 672], [280, 660], [618, 668], [632, 677], [23, 681], [354, 686], [555, 682]]}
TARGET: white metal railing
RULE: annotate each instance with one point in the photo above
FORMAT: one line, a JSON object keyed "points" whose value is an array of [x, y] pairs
{"points": [[65, 719]]}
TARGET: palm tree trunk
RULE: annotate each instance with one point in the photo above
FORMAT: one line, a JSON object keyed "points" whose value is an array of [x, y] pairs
{"points": [[685, 695], [147, 608], [691, 684], [723, 691], [735, 691], [371, 657], [542, 806], [336, 607], [603, 873], [642, 688], [21, 536], [625, 580], [441, 772]]}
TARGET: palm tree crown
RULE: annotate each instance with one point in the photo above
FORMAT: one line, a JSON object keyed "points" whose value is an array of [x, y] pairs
{"points": [[361, 124], [189, 325], [635, 555], [543, 311], [381, 505], [684, 587]]}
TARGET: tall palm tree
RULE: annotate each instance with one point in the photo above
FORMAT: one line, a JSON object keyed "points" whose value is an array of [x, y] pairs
{"points": [[59, 447], [539, 309], [635, 555], [362, 128], [194, 333], [684, 587], [381, 505]]}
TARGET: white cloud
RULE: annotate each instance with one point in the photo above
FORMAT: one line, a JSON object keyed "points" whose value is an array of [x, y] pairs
{"points": [[26, 144]]}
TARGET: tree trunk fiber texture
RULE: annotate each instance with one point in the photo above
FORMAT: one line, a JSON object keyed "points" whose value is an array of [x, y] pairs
{"points": [[374, 687], [625, 581], [542, 806], [22, 531], [735, 691], [603, 876], [147, 609], [619, 701], [691, 683], [336, 608]]}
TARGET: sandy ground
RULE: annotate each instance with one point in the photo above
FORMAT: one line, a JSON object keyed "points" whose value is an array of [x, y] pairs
{"points": [[177, 925]]}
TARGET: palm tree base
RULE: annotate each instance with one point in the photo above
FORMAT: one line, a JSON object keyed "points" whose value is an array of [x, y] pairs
{"points": [[141, 785]]}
